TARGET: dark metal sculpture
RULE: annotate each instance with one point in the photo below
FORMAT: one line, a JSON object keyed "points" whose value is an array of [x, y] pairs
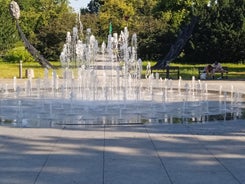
{"points": [[177, 47], [15, 13]]}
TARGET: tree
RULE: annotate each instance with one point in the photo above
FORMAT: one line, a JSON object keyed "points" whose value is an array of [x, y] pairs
{"points": [[94, 6], [220, 34], [45, 23], [170, 17], [148, 28], [8, 33], [118, 12], [136, 15], [89, 16]]}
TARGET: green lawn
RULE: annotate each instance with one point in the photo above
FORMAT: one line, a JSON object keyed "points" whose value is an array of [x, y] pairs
{"points": [[10, 70], [235, 71]]}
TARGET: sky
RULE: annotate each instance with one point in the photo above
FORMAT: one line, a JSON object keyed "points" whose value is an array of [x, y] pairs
{"points": [[77, 4]]}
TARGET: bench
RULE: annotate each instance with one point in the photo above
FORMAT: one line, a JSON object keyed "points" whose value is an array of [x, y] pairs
{"points": [[223, 75], [169, 72]]}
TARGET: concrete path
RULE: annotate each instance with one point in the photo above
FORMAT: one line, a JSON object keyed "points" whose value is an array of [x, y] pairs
{"points": [[209, 153]]}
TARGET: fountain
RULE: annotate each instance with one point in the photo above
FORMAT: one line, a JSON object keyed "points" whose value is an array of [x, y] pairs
{"points": [[79, 102], [103, 86]]}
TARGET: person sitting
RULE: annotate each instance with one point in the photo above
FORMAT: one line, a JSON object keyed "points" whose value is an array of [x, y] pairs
{"points": [[208, 71], [217, 67]]}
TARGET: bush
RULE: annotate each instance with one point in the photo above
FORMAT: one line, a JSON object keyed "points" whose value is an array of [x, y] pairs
{"points": [[18, 53]]}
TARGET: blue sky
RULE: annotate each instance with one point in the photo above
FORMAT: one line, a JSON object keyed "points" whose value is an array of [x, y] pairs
{"points": [[77, 4]]}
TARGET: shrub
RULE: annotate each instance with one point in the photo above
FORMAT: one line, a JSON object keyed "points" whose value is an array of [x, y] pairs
{"points": [[16, 54]]}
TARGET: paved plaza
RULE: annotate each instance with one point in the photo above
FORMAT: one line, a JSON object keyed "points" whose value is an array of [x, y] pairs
{"points": [[201, 153], [148, 154]]}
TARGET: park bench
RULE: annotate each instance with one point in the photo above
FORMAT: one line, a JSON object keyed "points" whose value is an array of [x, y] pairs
{"points": [[223, 75], [170, 72]]}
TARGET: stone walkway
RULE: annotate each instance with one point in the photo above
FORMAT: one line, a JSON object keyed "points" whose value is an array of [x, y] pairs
{"points": [[208, 153]]}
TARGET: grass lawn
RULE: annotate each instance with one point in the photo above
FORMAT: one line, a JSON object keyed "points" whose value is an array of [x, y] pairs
{"points": [[235, 71], [10, 70]]}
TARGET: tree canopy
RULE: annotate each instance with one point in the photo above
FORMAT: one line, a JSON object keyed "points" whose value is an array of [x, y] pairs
{"points": [[44, 22], [218, 35], [8, 33]]}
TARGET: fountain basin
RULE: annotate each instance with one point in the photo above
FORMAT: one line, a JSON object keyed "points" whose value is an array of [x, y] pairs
{"points": [[172, 106]]}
